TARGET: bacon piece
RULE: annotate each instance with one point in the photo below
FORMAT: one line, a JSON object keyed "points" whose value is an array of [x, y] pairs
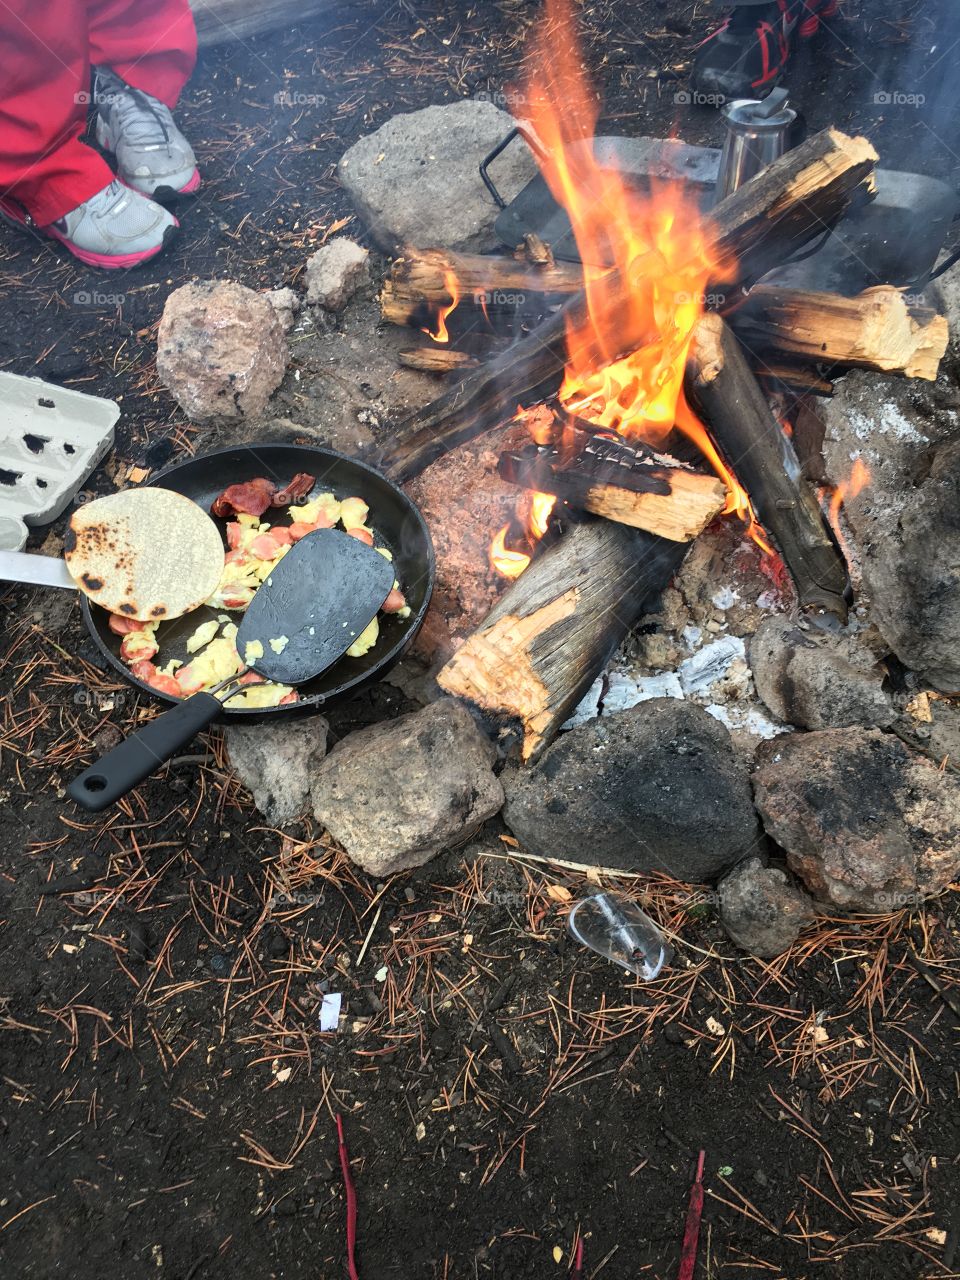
{"points": [[252, 498], [299, 487], [289, 698], [265, 546], [137, 645], [362, 535], [394, 602], [299, 529], [121, 626], [148, 673], [234, 534]]}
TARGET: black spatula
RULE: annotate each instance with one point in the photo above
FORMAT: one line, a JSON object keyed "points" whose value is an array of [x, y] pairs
{"points": [[325, 591]]}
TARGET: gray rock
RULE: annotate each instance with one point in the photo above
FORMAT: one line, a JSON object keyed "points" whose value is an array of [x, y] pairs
{"points": [[277, 763], [335, 272], [944, 737], [655, 788], [817, 680], [221, 350], [866, 824], [286, 303], [904, 524], [761, 910], [398, 793], [416, 179]]}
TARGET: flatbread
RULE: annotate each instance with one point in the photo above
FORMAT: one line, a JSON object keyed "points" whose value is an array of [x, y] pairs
{"points": [[148, 554]]}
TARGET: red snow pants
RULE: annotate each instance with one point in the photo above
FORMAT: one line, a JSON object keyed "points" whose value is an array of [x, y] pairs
{"points": [[46, 51]]}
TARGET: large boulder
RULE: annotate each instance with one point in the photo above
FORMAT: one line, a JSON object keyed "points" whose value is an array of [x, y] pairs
{"points": [[905, 523], [866, 824], [761, 910], [416, 180], [816, 679], [276, 763], [221, 350], [396, 794], [655, 788]]}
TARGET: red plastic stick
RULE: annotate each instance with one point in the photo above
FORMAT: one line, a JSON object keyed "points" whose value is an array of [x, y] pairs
{"points": [[351, 1203], [577, 1272], [691, 1232]]}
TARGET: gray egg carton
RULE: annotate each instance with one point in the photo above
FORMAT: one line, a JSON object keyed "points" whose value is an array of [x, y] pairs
{"points": [[51, 440]]}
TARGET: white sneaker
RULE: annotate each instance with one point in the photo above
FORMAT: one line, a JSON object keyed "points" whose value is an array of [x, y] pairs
{"points": [[115, 228], [152, 154]]}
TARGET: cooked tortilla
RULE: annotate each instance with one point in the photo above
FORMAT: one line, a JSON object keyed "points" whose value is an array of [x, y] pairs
{"points": [[148, 554]]}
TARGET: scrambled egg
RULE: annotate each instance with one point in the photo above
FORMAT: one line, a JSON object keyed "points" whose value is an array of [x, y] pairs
{"points": [[252, 650], [258, 695], [324, 504], [353, 513], [279, 644], [365, 640], [203, 635]]}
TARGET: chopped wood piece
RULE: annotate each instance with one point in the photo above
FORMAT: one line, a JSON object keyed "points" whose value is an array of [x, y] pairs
{"points": [[797, 377], [877, 329], [536, 251], [672, 502], [436, 359], [741, 422], [419, 283], [757, 226], [545, 642]]}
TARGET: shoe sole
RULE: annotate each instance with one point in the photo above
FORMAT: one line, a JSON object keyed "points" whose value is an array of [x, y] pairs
{"points": [[116, 262], [164, 194]]}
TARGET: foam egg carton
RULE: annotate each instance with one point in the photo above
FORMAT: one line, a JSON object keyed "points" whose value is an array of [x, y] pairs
{"points": [[51, 439]]}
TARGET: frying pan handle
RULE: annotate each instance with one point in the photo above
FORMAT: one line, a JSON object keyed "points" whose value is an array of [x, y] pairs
{"points": [[139, 755], [518, 131]]}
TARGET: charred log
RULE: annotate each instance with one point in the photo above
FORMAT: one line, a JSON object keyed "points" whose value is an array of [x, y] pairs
{"points": [[725, 390], [670, 501], [877, 329], [545, 642]]}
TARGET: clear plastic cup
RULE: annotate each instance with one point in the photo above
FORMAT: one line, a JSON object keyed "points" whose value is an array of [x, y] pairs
{"points": [[618, 930]]}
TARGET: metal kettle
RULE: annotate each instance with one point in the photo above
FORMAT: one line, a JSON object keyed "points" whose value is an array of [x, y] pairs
{"points": [[758, 132]]}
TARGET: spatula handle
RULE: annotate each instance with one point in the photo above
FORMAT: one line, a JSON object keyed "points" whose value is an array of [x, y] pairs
{"points": [[120, 770]]}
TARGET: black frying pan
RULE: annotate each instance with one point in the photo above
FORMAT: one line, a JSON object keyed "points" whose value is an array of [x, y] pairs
{"points": [[394, 518]]}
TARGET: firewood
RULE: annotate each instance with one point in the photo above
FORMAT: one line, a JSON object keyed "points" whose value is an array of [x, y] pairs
{"points": [[721, 384], [798, 377], [436, 359], [670, 501], [544, 643], [757, 226], [418, 284], [877, 329]]}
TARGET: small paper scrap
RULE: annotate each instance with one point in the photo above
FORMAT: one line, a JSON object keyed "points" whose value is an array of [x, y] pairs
{"points": [[330, 1011]]}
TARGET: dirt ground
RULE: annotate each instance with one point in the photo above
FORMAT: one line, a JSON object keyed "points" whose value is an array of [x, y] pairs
{"points": [[167, 1098]]}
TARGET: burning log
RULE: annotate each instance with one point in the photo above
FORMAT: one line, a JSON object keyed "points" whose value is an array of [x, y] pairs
{"points": [[545, 642], [798, 377], [724, 388], [436, 359], [419, 283], [878, 329], [757, 227], [643, 489]]}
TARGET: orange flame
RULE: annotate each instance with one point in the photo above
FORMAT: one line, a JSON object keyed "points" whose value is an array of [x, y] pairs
{"points": [[505, 561], [658, 242], [510, 562], [859, 479], [452, 286]]}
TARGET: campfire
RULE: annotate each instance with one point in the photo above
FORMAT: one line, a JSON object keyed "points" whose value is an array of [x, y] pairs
{"points": [[651, 378]]}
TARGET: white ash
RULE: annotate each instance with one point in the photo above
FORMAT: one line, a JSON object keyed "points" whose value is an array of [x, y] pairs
{"points": [[757, 723], [710, 664]]}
